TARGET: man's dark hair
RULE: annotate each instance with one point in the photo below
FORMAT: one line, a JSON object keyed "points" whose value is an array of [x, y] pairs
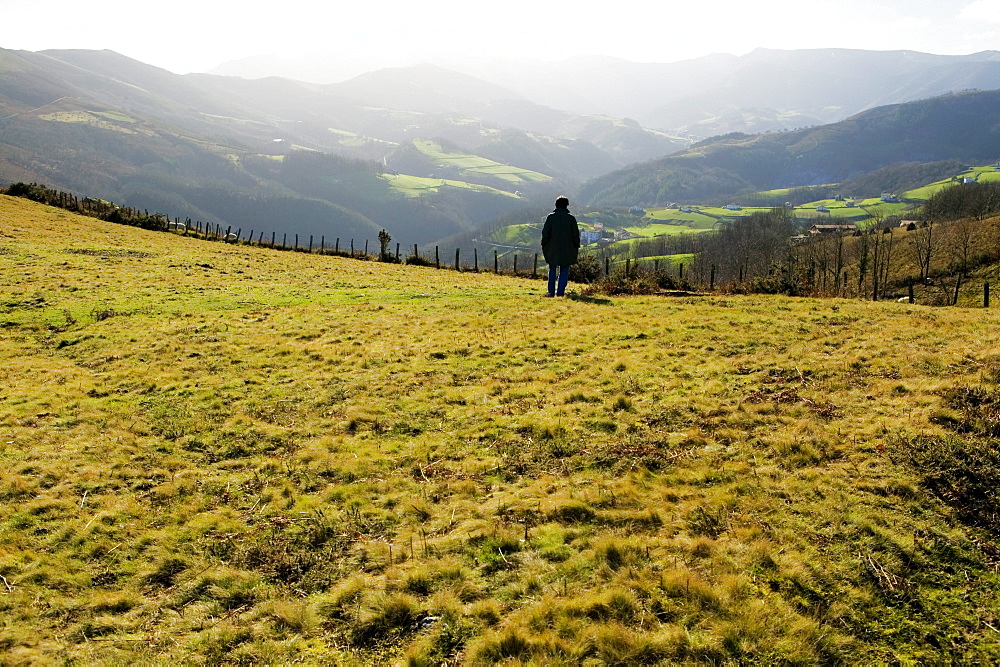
{"points": [[562, 202]]}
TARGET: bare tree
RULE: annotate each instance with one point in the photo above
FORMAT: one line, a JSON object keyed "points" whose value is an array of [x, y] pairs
{"points": [[961, 249], [877, 248], [922, 244]]}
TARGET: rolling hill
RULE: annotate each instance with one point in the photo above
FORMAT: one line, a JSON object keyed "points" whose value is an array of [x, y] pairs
{"points": [[961, 126], [99, 124], [765, 90]]}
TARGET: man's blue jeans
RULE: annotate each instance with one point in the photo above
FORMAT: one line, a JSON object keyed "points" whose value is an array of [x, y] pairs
{"points": [[562, 274]]}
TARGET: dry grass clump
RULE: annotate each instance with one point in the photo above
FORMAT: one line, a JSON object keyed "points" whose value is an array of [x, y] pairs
{"points": [[221, 454]]}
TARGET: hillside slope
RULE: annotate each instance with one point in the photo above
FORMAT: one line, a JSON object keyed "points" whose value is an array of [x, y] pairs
{"points": [[963, 126], [99, 124], [217, 453]]}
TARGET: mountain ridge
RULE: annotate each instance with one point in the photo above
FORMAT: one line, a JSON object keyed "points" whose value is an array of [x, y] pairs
{"points": [[792, 87], [144, 137], [960, 126]]}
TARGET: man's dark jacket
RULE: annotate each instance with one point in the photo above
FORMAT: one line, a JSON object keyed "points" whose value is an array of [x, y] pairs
{"points": [[560, 238]]}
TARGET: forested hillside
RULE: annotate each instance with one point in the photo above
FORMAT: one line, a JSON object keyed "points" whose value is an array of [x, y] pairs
{"points": [[212, 148], [962, 126]]}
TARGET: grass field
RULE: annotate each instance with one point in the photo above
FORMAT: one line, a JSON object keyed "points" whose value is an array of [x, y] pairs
{"points": [[660, 229], [982, 174], [473, 164], [221, 454], [416, 186], [526, 235], [694, 219], [99, 120]]}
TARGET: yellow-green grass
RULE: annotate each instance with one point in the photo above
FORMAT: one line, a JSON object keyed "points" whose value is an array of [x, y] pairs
{"points": [[983, 174], [215, 453], [666, 260], [116, 116], [660, 229], [518, 235], [98, 120], [723, 212], [353, 139], [694, 218], [474, 164], [862, 210], [417, 186]]}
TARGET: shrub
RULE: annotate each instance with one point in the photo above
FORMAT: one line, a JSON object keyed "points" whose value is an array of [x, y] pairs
{"points": [[417, 260], [586, 270]]}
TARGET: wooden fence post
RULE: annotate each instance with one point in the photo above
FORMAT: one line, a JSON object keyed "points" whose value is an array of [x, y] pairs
{"points": [[366, 247], [534, 269], [437, 258], [475, 260], [397, 253], [337, 248], [515, 263], [310, 244], [322, 245], [284, 240], [296, 243], [711, 279], [456, 260], [607, 266], [909, 292], [272, 240], [496, 262], [986, 295]]}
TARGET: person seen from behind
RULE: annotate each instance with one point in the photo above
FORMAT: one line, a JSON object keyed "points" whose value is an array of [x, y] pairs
{"points": [[560, 246]]}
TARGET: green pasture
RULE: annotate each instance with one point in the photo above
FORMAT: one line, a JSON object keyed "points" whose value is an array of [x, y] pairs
{"points": [[518, 235], [984, 174], [694, 219], [473, 164], [417, 186], [116, 116], [663, 229], [87, 118], [667, 260], [723, 212], [352, 139]]}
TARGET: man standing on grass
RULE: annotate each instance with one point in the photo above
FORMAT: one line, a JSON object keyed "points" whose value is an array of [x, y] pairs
{"points": [[560, 246]]}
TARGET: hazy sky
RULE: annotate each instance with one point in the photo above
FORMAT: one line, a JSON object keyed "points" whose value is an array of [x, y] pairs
{"points": [[194, 36]]}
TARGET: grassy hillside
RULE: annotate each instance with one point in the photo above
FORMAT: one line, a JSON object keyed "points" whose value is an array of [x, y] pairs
{"points": [[474, 165], [220, 454]]}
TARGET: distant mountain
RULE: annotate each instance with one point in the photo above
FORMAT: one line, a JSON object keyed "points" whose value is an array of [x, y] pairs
{"points": [[765, 90], [962, 126], [200, 146], [424, 88]]}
